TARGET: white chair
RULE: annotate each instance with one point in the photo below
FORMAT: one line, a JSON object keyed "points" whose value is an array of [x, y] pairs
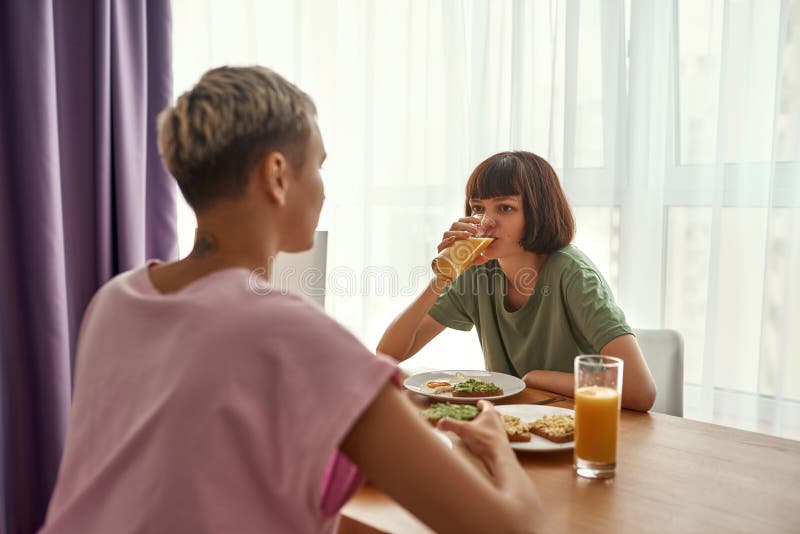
{"points": [[304, 272], [663, 351]]}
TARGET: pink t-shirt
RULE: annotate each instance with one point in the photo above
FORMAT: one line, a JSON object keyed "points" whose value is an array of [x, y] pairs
{"points": [[212, 409]]}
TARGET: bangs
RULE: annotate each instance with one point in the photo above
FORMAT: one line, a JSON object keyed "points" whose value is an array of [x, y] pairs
{"points": [[500, 177], [549, 225]]}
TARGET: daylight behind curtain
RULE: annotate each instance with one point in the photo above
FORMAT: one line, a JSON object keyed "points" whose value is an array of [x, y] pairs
{"points": [[675, 127]]}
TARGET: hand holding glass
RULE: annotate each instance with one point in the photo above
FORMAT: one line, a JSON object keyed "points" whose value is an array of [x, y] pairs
{"points": [[459, 256]]}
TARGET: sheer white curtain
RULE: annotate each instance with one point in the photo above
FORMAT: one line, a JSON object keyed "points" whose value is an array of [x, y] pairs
{"points": [[674, 125]]}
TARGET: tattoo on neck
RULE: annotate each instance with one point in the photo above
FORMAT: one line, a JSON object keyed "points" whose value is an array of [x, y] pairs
{"points": [[205, 244]]}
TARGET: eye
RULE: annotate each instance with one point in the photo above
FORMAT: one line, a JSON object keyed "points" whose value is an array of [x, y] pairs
{"points": [[506, 208], [477, 209]]}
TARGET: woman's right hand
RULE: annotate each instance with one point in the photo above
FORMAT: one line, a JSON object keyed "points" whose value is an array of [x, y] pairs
{"points": [[463, 228], [485, 435]]}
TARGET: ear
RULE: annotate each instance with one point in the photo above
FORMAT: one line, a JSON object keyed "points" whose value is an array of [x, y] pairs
{"points": [[273, 177]]}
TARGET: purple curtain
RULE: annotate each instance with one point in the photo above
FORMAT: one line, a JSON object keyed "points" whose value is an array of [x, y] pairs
{"points": [[83, 196]]}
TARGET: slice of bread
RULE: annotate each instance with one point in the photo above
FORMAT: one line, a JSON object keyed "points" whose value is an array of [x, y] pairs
{"points": [[476, 388], [516, 430], [478, 393], [556, 428], [440, 410]]}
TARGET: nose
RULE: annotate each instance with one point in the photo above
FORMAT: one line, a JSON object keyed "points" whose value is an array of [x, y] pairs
{"points": [[488, 222], [486, 226]]}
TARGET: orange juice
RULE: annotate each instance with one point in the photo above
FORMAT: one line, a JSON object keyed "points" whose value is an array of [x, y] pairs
{"points": [[596, 424], [458, 257]]}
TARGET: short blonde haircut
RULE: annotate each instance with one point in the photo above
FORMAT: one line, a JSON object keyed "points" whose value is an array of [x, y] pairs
{"points": [[215, 133]]}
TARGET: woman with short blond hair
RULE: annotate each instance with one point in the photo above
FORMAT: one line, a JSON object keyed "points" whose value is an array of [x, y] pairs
{"points": [[203, 406]]}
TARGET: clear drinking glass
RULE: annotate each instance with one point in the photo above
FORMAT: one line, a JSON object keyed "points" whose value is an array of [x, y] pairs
{"points": [[459, 256], [598, 390]]}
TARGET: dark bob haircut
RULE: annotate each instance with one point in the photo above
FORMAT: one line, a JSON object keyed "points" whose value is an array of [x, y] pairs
{"points": [[549, 225]]}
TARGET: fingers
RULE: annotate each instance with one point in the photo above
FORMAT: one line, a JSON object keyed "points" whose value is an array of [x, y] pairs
{"points": [[484, 435], [446, 242], [487, 409], [449, 237], [463, 228], [452, 425], [458, 234], [465, 225]]}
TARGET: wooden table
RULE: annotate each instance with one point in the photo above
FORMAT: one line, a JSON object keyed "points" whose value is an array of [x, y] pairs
{"points": [[673, 475]]}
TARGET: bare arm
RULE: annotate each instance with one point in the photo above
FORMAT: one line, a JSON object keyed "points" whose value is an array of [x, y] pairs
{"points": [[399, 454], [555, 381], [414, 328], [638, 387]]}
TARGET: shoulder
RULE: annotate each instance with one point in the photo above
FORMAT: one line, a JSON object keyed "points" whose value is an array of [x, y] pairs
{"points": [[288, 314], [570, 262], [311, 346], [571, 258], [234, 302], [577, 275], [127, 283]]}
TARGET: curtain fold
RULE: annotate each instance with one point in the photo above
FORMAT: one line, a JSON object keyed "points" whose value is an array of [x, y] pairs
{"points": [[83, 196]]}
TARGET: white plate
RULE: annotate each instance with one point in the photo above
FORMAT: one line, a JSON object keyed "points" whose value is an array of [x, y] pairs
{"points": [[530, 413], [511, 385]]}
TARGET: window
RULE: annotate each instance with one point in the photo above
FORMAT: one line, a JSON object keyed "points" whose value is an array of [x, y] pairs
{"points": [[674, 126]]}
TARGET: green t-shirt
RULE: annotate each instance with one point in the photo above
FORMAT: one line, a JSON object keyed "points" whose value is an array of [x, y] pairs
{"points": [[570, 312]]}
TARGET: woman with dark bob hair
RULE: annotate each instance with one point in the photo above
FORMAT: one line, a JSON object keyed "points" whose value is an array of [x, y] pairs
{"points": [[534, 298], [203, 405]]}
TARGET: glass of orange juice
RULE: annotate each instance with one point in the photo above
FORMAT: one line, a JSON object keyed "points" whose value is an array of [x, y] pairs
{"points": [[460, 255], [598, 389]]}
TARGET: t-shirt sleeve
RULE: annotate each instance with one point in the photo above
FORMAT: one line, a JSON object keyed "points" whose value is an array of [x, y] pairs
{"points": [[592, 308], [341, 479], [451, 309], [324, 379], [331, 376]]}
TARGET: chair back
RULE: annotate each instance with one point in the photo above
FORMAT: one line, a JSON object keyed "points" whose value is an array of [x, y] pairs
{"points": [[304, 273], [663, 352]]}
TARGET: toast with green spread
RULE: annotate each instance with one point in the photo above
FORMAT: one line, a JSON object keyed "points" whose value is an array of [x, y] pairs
{"points": [[515, 429], [440, 410], [476, 388]]}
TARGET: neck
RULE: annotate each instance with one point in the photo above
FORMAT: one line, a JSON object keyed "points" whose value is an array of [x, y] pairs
{"points": [[231, 238], [522, 270]]}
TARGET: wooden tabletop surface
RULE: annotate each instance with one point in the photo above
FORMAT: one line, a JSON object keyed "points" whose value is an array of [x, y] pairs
{"points": [[673, 475]]}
